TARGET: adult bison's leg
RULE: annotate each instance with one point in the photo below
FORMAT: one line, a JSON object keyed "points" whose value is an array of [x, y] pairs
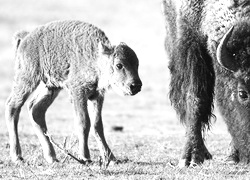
{"points": [[37, 107], [191, 92], [96, 116], [195, 151], [82, 121]]}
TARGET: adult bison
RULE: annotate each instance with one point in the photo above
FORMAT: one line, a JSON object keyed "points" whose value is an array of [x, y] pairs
{"points": [[208, 43]]}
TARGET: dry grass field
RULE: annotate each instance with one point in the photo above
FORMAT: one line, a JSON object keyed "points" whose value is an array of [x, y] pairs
{"points": [[152, 138]]}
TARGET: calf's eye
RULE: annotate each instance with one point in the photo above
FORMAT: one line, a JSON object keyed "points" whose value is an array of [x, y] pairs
{"points": [[243, 94], [119, 66]]}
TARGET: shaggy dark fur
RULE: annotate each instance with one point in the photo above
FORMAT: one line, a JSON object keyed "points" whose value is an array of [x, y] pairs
{"points": [[194, 31]]}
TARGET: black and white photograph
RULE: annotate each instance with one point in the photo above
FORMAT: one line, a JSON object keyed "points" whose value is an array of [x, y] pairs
{"points": [[125, 89]]}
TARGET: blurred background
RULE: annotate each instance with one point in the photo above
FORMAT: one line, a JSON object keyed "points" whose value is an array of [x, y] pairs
{"points": [[138, 23]]}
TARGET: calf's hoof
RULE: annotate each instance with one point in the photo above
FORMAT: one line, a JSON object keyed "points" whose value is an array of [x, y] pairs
{"points": [[83, 160], [106, 161], [16, 157], [17, 160], [114, 162], [51, 159], [87, 162]]}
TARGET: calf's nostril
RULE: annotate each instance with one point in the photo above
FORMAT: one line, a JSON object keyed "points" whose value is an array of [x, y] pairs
{"points": [[135, 87]]}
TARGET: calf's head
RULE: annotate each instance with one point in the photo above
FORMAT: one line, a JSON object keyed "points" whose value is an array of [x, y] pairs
{"points": [[123, 69]]}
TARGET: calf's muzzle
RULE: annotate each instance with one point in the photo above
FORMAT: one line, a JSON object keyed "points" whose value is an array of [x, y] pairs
{"points": [[135, 87]]}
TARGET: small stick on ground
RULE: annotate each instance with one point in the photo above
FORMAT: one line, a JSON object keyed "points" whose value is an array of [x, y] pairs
{"points": [[72, 145], [65, 142], [64, 150]]}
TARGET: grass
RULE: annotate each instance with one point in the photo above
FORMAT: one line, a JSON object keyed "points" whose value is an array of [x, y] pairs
{"points": [[152, 138], [141, 156]]}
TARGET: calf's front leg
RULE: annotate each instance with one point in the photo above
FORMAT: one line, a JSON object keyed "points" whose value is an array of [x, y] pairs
{"points": [[82, 123], [96, 116]]}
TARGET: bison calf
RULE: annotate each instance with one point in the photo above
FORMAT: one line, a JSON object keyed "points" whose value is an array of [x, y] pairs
{"points": [[208, 43], [79, 57]]}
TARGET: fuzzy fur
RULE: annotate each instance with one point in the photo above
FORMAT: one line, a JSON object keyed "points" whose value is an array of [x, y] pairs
{"points": [[79, 57], [194, 30]]}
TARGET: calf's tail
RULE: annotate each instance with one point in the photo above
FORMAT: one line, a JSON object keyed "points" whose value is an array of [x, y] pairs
{"points": [[18, 36]]}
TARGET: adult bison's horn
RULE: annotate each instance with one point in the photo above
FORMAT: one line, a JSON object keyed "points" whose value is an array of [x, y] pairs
{"points": [[223, 56]]}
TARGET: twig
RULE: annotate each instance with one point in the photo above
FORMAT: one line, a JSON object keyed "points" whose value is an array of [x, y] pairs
{"points": [[66, 157], [72, 145], [64, 142], [64, 150]]}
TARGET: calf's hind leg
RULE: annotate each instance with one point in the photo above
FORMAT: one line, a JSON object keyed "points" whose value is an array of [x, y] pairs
{"points": [[96, 116], [37, 107], [20, 93]]}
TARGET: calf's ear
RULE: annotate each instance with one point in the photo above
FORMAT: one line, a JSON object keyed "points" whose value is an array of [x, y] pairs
{"points": [[123, 44], [105, 49]]}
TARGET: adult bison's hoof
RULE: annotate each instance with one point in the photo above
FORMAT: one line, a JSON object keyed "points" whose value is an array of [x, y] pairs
{"points": [[233, 157], [194, 156]]}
